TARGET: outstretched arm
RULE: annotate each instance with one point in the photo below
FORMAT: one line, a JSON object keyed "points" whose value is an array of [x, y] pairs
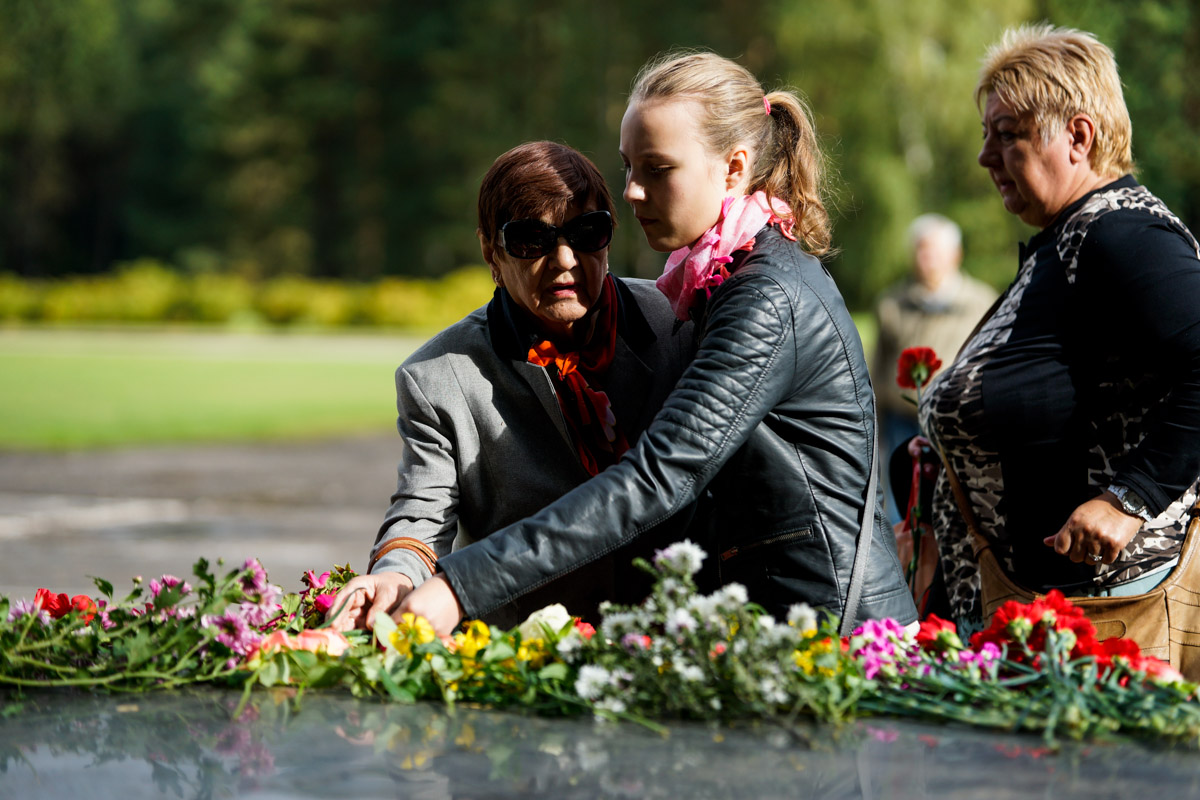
{"points": [[745, 365]]}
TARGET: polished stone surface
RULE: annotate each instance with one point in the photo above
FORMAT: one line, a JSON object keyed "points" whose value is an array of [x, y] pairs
{"points": [[302, 506], [187, 745], [62, 745]]}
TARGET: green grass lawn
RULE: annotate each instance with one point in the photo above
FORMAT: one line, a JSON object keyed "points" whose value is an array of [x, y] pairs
{"points": [[82, 388], [64, 389]]}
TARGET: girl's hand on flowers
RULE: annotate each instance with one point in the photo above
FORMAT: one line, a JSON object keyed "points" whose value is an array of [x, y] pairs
{"points": [[435, 601], [1098, 527], [367, 595]]}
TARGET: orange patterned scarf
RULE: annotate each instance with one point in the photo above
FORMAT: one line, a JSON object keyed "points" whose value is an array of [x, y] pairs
{"points": [[598, 438]]}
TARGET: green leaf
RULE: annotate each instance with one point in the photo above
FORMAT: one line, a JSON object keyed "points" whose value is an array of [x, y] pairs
{"points": [[269, 673], [291, 604], [104, 587], [139, 648], [553, 672], [385, 626], [498, 651]]}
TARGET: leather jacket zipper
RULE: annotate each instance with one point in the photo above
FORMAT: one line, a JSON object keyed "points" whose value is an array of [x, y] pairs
{"points": [[803, 533]]}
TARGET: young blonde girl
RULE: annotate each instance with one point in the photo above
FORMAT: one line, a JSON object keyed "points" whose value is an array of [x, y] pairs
{"points": [[772, 426]]}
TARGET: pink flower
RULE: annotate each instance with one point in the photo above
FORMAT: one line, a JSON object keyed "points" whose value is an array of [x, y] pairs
{"points": [[324, 602], [635, 641], [315, 641], [585, 629], [168, 582], [882, 648], [314, 581]]}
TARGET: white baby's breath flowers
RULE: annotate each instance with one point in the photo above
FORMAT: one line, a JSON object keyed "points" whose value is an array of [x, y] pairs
{"points": [[592, 681], [684, 557]]}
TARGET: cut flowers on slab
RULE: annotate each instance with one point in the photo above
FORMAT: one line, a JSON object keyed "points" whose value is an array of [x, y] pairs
{"points": [[680, 654]]}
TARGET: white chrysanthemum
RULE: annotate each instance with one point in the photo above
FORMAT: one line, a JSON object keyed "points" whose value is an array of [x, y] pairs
{"points": [[802, 617], [570, 645], [614, 704], [618, 624], [545, 621], [689, 672], [679, 620], [772, 692], [704, 606], [592, 681], [684, 557], [766, 622], [732, 596], [672, 586], [620, 678]]}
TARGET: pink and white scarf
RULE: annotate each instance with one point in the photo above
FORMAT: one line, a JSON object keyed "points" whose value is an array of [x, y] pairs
{"points": [[702, 266]]}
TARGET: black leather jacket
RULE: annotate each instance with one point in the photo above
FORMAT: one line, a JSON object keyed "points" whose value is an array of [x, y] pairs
{"points": [[775, 417]]}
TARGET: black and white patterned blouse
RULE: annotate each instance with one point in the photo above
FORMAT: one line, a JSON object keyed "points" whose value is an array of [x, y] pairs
{"points": [[1087, 373]]}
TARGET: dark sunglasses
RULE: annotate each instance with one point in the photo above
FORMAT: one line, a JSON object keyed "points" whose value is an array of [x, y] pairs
{"points": [[532, 238]]}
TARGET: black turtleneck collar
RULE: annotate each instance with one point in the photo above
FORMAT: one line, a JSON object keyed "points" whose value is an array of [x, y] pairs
{"points": [[513, 333]]}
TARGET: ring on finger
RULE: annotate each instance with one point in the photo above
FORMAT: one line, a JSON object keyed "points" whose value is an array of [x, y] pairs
{"points": [[1095, 558]]}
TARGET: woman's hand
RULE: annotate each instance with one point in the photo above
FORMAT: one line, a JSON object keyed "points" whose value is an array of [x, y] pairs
{"points": [[1098, 527], [435, 601], [367, 595]]}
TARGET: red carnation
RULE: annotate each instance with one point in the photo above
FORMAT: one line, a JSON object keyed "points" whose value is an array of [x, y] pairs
{"points": [[916, 366], [59, 605], [938, 634], [56, 605], [585, 629], [1029, 622]]}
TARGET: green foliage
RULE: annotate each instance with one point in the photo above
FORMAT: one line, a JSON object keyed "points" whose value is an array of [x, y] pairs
{"points": [[323, 140], [149, 291]]}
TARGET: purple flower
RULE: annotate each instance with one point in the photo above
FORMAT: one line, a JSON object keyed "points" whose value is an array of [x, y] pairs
{"points": [[25, 607], [233, 632], [256, 580], [258, 614]]}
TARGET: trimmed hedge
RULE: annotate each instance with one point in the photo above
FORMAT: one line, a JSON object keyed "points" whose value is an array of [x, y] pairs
{"points": [[149, 291]]}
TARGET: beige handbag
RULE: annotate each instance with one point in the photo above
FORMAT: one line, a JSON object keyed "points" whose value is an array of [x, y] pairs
{"points": [[1165, 622]]}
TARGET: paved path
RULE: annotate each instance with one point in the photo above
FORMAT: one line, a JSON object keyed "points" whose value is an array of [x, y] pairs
{"points": [[146, 511]]}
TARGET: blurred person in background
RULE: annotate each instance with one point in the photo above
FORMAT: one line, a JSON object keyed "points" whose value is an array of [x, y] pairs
{"points": [[937, 306], [1071, 419], [529, 396]]}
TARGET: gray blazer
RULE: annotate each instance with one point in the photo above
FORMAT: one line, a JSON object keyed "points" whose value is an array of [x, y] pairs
{"points": [[485, 443]]}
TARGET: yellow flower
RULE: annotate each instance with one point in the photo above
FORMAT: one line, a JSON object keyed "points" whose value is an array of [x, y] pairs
{"points": [[816, 657], [412, 630], [476, 637], [533, 651]]}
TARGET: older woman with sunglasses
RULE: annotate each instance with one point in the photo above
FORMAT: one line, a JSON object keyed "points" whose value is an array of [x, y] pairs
{"points": [[529, 396]]}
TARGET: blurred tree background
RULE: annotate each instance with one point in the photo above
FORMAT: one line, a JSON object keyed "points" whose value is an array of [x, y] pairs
{"points": [[319, 139]]}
